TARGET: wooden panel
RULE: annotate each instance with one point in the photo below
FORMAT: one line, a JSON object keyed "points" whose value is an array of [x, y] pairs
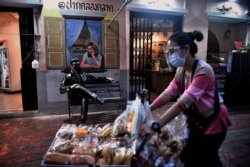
{"points": [[110, 44], [110, 59], [55, 59], [55, 42]]}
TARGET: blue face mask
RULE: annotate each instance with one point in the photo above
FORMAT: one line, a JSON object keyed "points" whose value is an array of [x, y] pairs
{"points": [[176, 61]]}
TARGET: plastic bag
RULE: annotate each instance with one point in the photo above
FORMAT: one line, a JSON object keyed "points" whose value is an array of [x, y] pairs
{"points": [[137, 112], [163, 150]]}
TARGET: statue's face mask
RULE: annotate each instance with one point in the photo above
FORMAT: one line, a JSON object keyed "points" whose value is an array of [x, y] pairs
{"points": [[76, 66]]}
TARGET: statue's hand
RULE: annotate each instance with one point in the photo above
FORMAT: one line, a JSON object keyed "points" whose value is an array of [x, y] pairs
{"points": [[75, 86]]}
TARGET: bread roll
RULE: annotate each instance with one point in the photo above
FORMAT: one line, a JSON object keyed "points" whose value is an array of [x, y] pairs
{"points": [[107, 153], [81, 160], [101, 162], [119, 156], [56, 158], [84, 151], [128, 156]]}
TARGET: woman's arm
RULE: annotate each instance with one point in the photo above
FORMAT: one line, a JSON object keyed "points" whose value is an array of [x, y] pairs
{"points": [[83, 64], [96, 63], [159, 102], [170, 114], [166, 96]]}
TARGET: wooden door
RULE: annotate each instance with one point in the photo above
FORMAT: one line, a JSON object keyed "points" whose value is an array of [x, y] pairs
{"points": [[55, 42], [110, 44]]}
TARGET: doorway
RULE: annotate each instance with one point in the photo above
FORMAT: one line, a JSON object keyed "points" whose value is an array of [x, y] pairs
{"points": [[10, 63], [148, 35], [26, 40]]}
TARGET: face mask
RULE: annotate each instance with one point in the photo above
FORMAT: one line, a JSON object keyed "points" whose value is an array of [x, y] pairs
{"points": [[171, 68], [77, 68], [176, 60]]}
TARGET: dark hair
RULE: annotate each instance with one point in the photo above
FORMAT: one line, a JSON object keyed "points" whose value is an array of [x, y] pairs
{"points": [[94, 47], [187, 38]]}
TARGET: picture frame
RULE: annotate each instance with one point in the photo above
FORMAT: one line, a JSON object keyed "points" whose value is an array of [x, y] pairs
{"points": [[77, 49]]}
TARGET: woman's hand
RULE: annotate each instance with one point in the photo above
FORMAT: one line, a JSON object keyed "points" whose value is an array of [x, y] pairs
{"points": [[92, 54], [145, 129]]}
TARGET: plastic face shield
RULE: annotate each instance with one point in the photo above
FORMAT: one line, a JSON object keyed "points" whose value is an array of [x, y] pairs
{"points": [[167, 53]]}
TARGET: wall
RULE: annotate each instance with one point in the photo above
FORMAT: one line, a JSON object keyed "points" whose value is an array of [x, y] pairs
{"points": [[238, 6], [196, 19], [235, 17], [237, 32], [48, 81], [53, 77], [161, 3], [52, 9]]}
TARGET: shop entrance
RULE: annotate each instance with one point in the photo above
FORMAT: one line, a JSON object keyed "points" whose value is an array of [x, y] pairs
{"points": [[26, 74], [10, 64], [148, 35]]}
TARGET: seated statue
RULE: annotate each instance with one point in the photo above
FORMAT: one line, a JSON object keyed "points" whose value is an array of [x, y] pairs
{"points": [[73, 84]]}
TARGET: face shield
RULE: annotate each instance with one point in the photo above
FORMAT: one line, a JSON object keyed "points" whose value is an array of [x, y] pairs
{"points": [[167, 53]]}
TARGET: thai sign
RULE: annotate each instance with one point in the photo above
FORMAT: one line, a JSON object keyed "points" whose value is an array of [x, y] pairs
{"points": [[71, 4]]}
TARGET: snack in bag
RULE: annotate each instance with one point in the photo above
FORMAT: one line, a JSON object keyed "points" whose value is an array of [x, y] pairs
{"points": [[137, 112]]}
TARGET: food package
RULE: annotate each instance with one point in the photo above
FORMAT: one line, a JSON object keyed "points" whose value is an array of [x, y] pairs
{"points": [[113, 153], [81, 132], [163, 149], [66, 132], [137, 112]]}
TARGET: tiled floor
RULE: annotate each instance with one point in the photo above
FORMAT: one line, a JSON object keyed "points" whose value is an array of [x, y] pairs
{"points": [[23, 141], [235, 151]]}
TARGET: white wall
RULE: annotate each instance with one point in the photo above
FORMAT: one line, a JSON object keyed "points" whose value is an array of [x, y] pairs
{"points": [[196, 19]]}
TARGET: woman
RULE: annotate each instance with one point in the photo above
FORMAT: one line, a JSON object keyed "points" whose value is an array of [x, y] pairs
{"points": [[91, 59], [207, 116]]}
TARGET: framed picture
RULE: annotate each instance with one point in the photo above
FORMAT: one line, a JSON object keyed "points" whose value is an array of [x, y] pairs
{"points": [[77, 49]]}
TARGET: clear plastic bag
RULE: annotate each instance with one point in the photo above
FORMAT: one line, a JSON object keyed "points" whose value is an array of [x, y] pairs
{"points": [[163, 149], [137, 112]]}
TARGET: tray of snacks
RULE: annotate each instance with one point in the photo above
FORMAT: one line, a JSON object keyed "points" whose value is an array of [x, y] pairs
{"points": [[87, 145], [116, 144]]}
